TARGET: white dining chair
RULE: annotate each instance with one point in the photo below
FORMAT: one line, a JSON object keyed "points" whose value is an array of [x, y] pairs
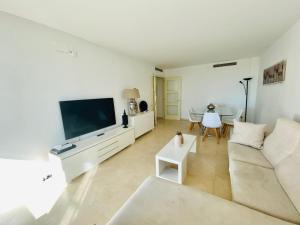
{"points": [[194, 118], [228, 123], [212, 121]]}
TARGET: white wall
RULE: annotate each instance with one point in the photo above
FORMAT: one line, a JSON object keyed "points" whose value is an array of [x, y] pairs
{"points": [[202, 84], [281, 100], [35, 76]]}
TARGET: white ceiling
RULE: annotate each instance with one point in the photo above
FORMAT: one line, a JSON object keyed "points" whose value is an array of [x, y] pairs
{"points": [[168, 33]]}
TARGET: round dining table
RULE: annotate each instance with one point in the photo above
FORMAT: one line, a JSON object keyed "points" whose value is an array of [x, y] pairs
{"points": [[222, 111]]}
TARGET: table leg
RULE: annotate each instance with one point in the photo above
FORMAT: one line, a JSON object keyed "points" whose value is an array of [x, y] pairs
{"points": [[182, 171], [194, 147], [159, 165]]}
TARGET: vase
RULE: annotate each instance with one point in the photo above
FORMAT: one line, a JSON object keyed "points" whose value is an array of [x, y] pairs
{"points": [[125, 120], [178, 140], [211, 107]]}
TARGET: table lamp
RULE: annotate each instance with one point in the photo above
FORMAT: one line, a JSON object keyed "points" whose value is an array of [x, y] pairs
{"points": [[131, 95]]}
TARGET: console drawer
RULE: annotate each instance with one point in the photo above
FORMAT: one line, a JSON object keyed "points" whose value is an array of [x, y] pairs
{"points": [[102, 150], [79, 163], [126, 139]]}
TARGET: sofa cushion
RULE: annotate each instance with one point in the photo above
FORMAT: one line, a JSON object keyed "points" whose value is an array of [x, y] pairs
{"points": [[287, 172], [282, 141], [247, 154], [257, 187], [248, 134], [161, 202]]}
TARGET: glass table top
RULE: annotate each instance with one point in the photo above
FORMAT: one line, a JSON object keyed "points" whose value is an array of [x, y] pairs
{"points": [[223, 111]]}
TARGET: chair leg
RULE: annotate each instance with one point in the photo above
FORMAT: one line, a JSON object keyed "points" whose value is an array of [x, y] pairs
{"points": [[191, 126], [228, 131], [217, 135], [200, 125], [220, 132], [205, 135], [225, 127]]}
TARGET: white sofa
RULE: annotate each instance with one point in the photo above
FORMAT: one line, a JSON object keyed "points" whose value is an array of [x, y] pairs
{"points": [[266, 181], [160, 202]]}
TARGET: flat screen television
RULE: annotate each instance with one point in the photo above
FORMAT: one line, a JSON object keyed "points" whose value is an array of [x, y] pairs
{"points": [[85, 116]]}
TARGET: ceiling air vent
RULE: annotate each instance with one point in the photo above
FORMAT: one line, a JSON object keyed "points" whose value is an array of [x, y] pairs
{"points": [[225, 64], [159, 69]]}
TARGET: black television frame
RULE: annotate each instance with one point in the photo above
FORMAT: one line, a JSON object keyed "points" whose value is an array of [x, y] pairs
{"points": [[67, 134]]}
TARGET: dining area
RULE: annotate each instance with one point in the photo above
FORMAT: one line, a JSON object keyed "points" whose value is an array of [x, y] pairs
{"points": [[214, 120]]}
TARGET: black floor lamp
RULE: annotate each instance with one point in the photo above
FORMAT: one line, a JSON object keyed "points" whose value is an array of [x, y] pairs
{"points": [[244, 82]]}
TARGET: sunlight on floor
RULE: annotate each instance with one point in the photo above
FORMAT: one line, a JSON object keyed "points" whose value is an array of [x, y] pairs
{"points": [[80, 194], [22, 185]]}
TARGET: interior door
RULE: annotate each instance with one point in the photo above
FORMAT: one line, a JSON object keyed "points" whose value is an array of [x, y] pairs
{"points": [[172, 98]]}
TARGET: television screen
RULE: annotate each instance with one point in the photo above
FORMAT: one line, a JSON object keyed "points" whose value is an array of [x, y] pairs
{"points": [[84, 116]]}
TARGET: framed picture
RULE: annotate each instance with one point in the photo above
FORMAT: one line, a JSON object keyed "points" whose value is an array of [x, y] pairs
{"points": [[275, 73]]}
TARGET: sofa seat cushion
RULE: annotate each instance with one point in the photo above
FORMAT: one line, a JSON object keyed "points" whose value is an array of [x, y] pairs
{"points": [[258, 188], [247, 154], [161, 202], [282, 141]]}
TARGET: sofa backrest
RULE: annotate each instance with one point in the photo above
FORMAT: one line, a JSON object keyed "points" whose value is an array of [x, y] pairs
{"points": [[282, 141], [287, 172]]}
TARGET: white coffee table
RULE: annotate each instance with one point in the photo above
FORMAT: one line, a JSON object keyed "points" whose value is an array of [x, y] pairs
{"points": [[178, 156]]}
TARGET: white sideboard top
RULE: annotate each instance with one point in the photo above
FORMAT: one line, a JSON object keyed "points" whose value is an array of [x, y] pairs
{"points": [[142, 113]]}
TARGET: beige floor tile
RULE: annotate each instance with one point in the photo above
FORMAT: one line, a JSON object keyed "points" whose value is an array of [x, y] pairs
{"points": [[94, 197]]}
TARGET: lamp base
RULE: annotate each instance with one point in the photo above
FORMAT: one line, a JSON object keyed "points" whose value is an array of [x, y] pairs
{"points": [[132, 107]]}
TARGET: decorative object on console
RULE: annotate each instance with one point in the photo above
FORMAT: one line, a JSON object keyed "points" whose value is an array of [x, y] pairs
{"points": [[178, 140], [275, 73], [143, 106], [211, 107], [245, 85], [125, 120], [132, 94]]}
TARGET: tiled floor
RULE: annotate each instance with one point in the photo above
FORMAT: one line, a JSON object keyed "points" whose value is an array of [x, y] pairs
{"points": [[94, 197]]}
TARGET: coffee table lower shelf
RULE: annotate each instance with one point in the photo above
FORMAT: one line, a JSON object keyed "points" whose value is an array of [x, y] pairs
{"points": [[169, 174]]}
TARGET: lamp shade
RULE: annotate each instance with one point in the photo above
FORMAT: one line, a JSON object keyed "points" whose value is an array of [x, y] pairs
{"points": [[136, 92], [131, 93]]}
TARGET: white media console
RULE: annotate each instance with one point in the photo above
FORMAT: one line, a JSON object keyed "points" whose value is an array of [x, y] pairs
{"points": [[142, 123], [90, 152]]}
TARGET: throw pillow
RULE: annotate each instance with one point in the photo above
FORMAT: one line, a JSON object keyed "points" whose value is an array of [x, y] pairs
{"points": [[248, 134]]}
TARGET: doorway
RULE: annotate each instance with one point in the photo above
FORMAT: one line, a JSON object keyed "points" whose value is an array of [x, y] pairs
{"points": [[167, 97], [159, 97]]}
